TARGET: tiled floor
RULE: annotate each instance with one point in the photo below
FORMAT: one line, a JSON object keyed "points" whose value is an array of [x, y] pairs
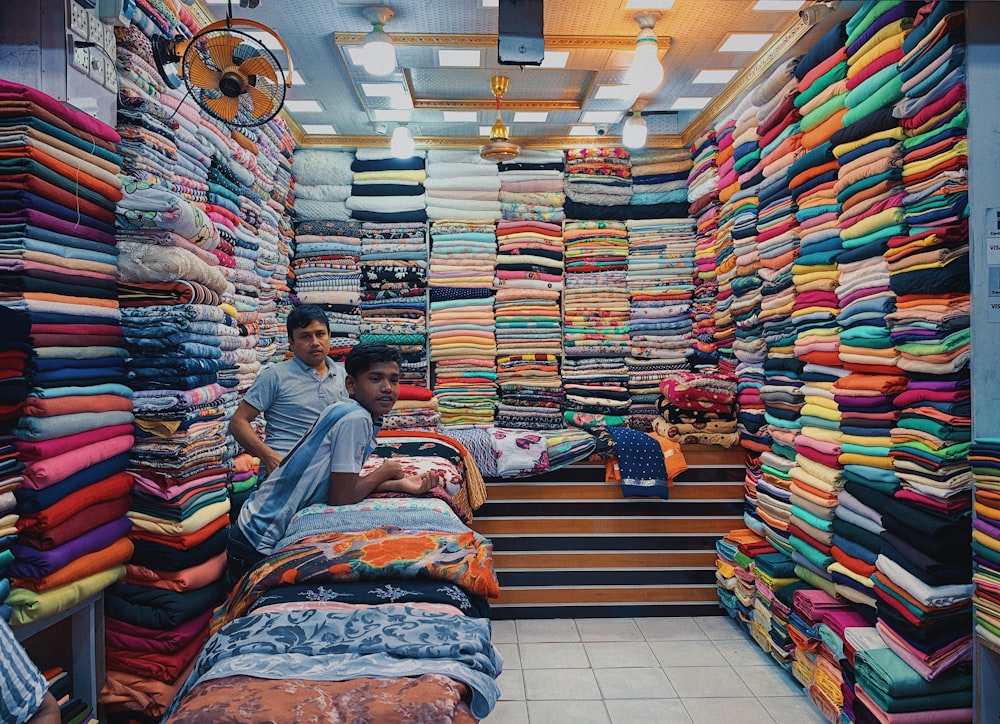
{"points": [[641, 671]]}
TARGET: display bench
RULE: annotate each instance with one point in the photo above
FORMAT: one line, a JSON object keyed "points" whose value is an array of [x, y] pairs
{"points": [[568, 544], [72, 640]]}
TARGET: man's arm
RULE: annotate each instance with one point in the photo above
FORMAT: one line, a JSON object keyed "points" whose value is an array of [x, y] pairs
{"points": [[241, 428], [349, 488]]}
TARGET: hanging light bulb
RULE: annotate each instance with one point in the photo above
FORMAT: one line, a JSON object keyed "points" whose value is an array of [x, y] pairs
{"points": [[402, 142], [634, 131], [379, 53], [646, 73]]}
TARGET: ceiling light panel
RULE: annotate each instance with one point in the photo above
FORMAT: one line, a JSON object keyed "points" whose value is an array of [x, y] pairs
{"points": [[555, 59], [615, 92], [582, 131], [601, 116], [531, 116], [460, 116], [459, 58], [311, 106], [649, 4], [690, 103], [722, 75], [745, 42], [782, 5], [319, 129], [388, 114]]}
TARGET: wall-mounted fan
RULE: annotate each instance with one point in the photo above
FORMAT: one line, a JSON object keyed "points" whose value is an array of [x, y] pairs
{"points": [[228, 72]]}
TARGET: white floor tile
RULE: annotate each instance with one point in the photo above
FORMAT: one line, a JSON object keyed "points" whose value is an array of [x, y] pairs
{"points": [[504, 632], [792, 710], [511, 684], [765, 681], [743, 652], [634, 683], [609, 629], [680, 628], [687, 653], [562, 712], [707, 682], [508, 712], [647, 711], [511, 655], [543, 630], [616, 654], [551, 684], [554, 656], [710, 711], [720, 627]]}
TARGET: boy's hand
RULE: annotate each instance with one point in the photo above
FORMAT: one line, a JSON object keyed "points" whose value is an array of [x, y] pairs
{"points": [[391, 470]]}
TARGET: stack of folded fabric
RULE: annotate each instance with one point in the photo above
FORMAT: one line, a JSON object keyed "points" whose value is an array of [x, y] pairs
{"points": [[325, 272], [393, 268], [322, 184], [697, 407], [772, 573], [660, 183], [70, 432], [598, 183], [596, 386], [749, 545], [596, 300], [660, 280], [528, 324], [531, 186], [461, 185], [888, 689], [817, 658], [415, 409], [462, 325], [568, 446], [709, 253], [725, 570], [385, 188], [984, 457]]}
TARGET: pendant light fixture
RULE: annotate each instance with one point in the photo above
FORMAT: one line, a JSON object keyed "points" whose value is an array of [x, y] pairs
{"points": [[646, 73], [402, 142], [634, 131], [499, 148], [378, 50]]}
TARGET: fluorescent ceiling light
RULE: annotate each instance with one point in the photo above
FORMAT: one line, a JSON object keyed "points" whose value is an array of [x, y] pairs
{"points": [[357, 54], [490, 3], [401, 145], [745, 42], [266, 39], [788, 5], [395, 92], [304, 106], [530, 116], [487, 130], [297, 79], [601, 116], [386, 114], [460, 58], [582, 131], [460, 116], [690, 103], [555, 59], [615, 92], [649, 4], [715, 76], [319, 129]]}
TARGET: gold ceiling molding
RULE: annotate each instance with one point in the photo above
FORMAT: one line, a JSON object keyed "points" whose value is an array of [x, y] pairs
{"points": [[742, 83], [552, 42], [489, 105], [474, 142]]}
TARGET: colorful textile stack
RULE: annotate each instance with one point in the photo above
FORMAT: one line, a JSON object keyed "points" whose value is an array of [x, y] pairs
{"points": [[64, 455], [984, 457], [697, 408], [888, 688], [783, 400], [775, 581], [659, 183], [598, 183], [596, 391], [461, 185], [711, 258], [660, 281], [322, 184], [462, 324], [531, 186], [387, 189], [415, 409], [394, 293], [325, 272], [528, 324]]}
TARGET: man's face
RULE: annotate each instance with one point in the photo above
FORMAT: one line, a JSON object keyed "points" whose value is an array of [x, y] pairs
{"points": [[377, 389], [311, 344]]}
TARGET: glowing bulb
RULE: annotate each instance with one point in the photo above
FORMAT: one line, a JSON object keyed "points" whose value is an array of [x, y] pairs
{"points": [[634, 131], [402, 142], [645, 74], [380, 55]]}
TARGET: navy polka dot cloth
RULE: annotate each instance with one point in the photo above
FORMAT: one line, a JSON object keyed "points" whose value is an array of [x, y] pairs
{"points": [[640, 460]]}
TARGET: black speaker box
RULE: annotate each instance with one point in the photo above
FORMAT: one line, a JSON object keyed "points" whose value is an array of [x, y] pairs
{"points": [[521, 30]]}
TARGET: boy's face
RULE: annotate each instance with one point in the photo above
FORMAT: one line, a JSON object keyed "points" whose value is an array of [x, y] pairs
{"points": [[376, 389], [311, 343]]}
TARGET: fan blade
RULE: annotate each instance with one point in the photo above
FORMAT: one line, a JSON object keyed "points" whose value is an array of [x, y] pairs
{"points": [[220, 48], [245, 51], [259, 65], [200, 74], [262, 102], [224, 106]]}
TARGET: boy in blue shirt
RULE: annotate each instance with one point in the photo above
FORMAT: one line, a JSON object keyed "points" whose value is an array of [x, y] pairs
{"points": [[325, 465]]}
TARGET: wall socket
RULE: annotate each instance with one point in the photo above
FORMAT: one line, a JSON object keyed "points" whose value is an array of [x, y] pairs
{"points": [[95, 29], [110, 75], [96, 69], [110, 42], [79, 20], [79, 58]]}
